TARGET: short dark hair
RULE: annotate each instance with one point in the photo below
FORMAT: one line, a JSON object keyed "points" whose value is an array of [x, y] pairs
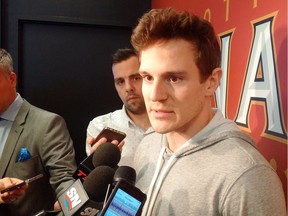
{"points": [[123, 54], [161, 25]]}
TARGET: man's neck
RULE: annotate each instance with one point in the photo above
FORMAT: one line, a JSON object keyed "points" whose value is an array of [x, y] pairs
{"points": [[177, 138], [9, 102]]}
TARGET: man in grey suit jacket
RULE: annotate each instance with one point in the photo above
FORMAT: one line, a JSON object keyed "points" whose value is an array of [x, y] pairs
{"points": [[32, 141]]}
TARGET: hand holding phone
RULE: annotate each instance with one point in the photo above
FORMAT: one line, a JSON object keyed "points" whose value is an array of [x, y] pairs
{"points": [[19, 185], [111, 134]]}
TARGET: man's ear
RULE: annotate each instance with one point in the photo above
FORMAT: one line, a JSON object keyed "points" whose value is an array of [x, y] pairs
{"points": [[13, 78], [214, 81]]}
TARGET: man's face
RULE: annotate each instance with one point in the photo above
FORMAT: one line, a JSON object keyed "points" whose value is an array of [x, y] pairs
{"points": [[7, 88], [176, 100], [128, 84]]}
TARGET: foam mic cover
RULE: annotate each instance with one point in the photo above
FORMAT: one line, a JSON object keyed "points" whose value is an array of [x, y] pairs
{"points": [[106, 154], [126, 173], [96, 183]]}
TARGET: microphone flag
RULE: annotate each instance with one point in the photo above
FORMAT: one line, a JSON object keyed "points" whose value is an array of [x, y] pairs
{"points": [[75, 201]]}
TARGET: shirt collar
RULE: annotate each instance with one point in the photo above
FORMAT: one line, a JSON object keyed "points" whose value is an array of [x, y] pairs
{"points": [[130, 123], [127, 118], [10, 113]]}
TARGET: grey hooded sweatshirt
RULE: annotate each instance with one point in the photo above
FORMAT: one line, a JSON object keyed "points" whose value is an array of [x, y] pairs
{"points": [[217, 172]]}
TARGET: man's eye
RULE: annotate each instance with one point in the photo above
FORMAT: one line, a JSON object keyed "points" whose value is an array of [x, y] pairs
{"points": [[119, 82], [137, 78], [174, 79], [147, 78]]}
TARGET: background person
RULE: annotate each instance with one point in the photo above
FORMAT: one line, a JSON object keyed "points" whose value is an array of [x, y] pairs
{"points": [[132, 119], [33, 141]]}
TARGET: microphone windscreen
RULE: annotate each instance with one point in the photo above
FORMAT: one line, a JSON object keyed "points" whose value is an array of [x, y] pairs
{"points": [[126, 173], [106, 154], [96, 183]]}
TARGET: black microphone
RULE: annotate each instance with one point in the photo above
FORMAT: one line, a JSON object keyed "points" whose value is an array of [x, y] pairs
{"points": [[106, 154], [123, 173], [97, 182], [87, 198], [126, 173]]}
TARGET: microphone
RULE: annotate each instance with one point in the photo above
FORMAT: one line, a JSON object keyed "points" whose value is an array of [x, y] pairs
{"points": [[97, 182], [126, 173], [84, 168], [106, 154], [123, 173], [87, 198]]}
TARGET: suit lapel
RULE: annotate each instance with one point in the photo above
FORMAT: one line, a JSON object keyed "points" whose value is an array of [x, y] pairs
{"points": [[13, 137]]}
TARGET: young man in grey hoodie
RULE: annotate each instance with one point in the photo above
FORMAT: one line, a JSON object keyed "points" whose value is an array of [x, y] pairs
{"points": [[206, 165]]}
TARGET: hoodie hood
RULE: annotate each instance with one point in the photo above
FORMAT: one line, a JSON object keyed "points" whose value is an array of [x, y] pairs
{"points": [[217, 130]]}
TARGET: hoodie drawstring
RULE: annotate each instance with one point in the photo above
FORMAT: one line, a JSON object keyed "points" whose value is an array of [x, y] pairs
{"points": [[155, 188]]}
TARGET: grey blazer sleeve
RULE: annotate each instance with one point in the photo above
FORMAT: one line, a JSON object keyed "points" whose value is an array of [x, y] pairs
{"points": [[57, 153]]}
